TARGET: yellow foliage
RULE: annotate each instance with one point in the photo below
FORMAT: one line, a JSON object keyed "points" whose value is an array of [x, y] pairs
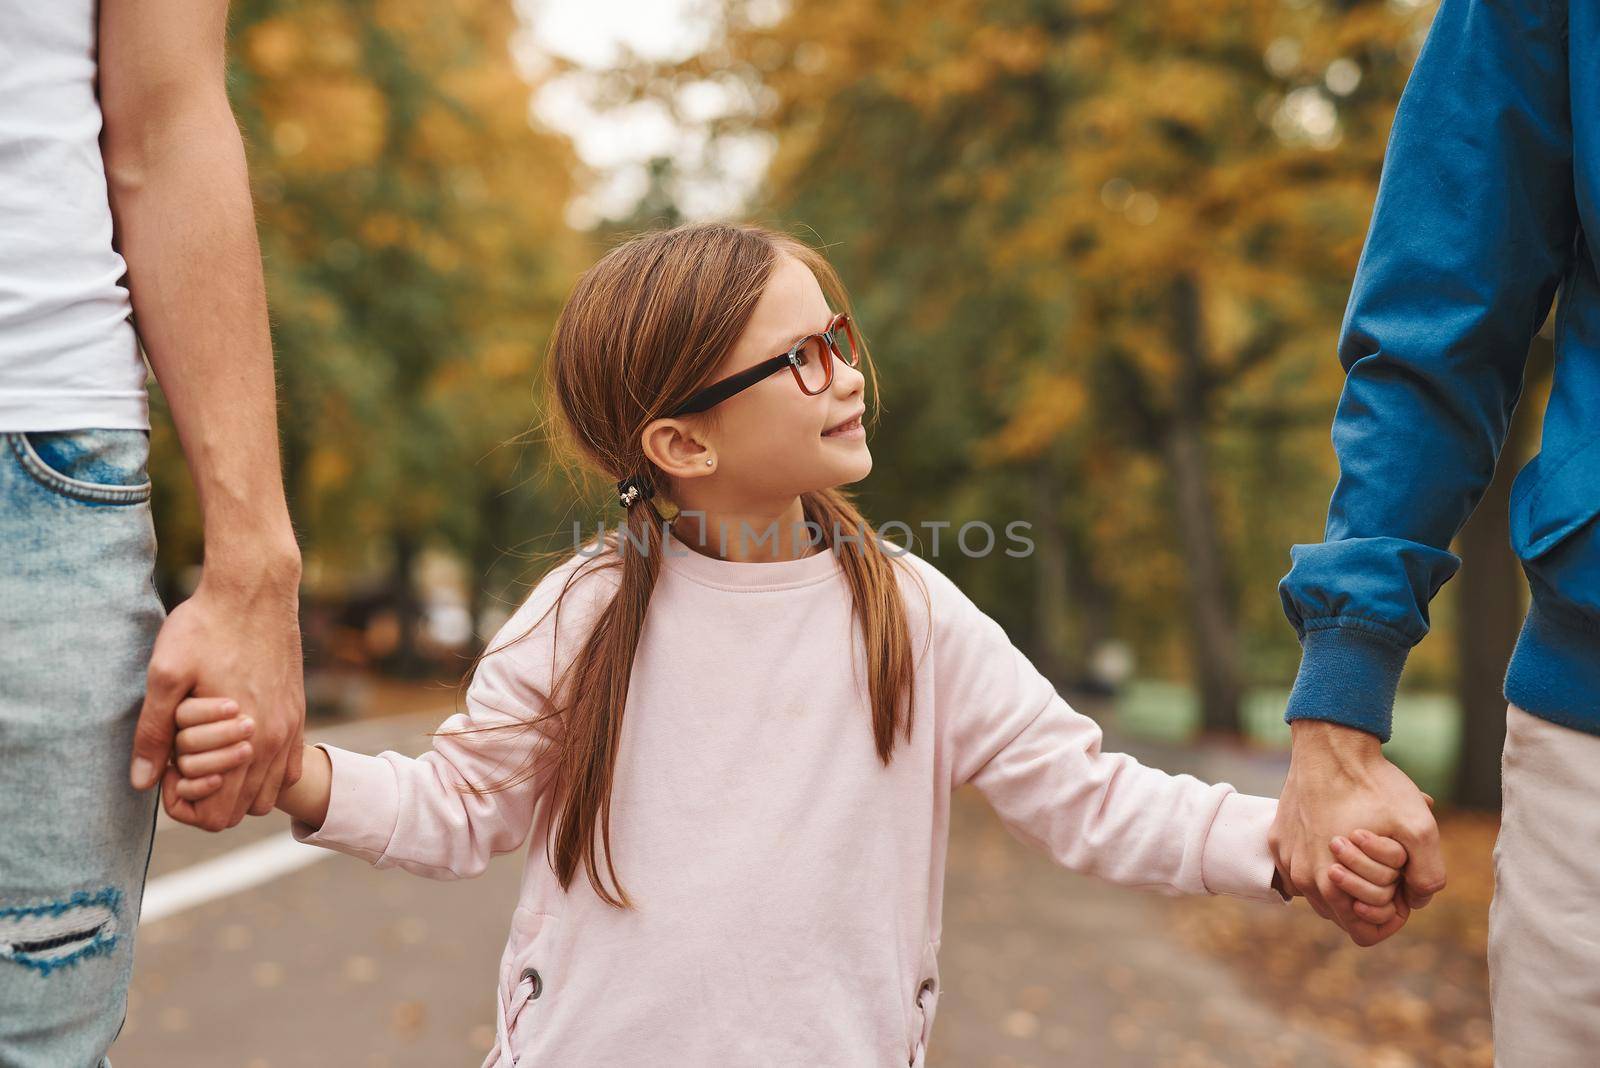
{"points": [[412, 220], [1050, 403], [273, 47], [328, 470]]}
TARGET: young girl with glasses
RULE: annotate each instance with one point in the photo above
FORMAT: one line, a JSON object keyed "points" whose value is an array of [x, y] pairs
{"points": [[732, 727]]}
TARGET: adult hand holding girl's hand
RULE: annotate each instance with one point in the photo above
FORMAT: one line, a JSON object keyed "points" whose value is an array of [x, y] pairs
{"points": [[1339, 779], [213, 739], [238, 634], [1368, 867]]}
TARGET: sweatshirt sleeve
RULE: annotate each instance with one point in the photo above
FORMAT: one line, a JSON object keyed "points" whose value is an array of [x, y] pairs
{"points": [[1473, 227], [419, 813], [1040, 764]]}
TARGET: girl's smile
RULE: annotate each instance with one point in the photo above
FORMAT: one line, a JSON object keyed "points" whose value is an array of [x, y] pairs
{"points": [[849, 430]]}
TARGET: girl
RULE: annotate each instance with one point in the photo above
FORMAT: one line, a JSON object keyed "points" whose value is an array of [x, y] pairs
{"points": [[741, 715]]}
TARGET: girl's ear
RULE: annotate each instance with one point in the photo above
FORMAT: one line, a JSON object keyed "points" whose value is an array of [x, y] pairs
{"points": [[677, 449]]}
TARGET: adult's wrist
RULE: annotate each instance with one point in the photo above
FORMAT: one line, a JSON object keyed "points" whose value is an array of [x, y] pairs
{"points": [[246, 512], [1332, 752], [1311, 736], [264, 560]]}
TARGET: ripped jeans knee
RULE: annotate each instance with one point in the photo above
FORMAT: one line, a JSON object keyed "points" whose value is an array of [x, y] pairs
{"points": [[48, 935]]}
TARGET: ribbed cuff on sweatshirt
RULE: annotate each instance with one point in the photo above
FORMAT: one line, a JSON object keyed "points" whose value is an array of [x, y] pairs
{"points": [[1347, 676], [1236, 859]]}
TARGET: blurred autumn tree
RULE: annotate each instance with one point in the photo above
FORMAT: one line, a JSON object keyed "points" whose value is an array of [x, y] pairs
{"points": [[412, 228], [1101, 251]]}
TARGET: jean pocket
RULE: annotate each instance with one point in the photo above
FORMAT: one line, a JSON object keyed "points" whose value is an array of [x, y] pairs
{"points": [[94, 466]]}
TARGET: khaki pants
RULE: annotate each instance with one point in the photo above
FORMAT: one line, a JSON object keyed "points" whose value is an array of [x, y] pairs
{"points": [[1544, 924]]}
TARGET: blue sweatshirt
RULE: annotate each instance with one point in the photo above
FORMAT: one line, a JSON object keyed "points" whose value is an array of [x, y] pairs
{"points": [[1490, 182]]}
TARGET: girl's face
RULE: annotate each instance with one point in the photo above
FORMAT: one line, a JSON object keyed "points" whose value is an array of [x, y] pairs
{"points": [[769, 443]]}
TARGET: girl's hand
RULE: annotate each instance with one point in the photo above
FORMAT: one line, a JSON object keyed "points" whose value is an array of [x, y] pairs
{"points": [[212, 740], [1368, 869]]}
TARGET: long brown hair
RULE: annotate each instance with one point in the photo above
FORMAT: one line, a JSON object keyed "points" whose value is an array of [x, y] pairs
{"points": [[643, 329]]}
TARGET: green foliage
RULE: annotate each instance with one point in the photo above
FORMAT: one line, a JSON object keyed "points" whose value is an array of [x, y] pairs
{"points": [[416, 251]]}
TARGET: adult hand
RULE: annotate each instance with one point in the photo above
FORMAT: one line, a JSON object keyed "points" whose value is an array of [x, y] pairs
{"points": [[238, 637], [1339, 780]]}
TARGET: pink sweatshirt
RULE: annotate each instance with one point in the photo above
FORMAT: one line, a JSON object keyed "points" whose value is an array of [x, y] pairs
{"points": [[788, 886]]}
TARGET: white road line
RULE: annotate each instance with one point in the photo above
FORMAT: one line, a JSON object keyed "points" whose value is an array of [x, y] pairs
{"points": [[243, 868]]}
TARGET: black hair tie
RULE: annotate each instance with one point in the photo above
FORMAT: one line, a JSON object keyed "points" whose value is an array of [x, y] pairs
{"points": [[632, 490], [636, 488]]}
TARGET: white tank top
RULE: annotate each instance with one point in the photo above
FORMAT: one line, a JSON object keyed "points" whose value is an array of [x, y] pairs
{"points": [[69, 358]]}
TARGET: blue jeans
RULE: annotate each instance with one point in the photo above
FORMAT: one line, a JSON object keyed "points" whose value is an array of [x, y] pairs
{"points": [[79, 615]]}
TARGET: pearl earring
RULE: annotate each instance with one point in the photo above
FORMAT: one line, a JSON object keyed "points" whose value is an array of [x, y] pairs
{"points": [[708, 463]]}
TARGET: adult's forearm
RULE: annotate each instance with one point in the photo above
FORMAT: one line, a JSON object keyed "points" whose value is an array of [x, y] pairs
{"points": [[185, 225]]}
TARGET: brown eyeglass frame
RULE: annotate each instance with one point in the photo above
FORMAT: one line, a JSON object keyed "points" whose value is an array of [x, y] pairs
{"points": [[722, 389]]}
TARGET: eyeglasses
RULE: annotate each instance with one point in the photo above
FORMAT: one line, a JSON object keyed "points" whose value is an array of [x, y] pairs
{"points": [[810, 358]]}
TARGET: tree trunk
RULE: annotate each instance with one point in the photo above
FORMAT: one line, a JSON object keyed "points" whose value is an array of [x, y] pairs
{"points": [[405, 660], [1052, 652], [1092, 608], [1214, 640], [482, 582], [1489, 604]]}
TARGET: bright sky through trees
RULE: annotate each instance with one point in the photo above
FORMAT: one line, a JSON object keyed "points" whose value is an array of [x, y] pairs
{"points": [[618, 143]]}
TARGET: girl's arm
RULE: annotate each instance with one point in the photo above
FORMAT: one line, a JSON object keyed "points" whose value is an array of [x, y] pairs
{"points": [[422, 813], [307, 800], [390, 810], [445, 813], [1040, 764]]}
